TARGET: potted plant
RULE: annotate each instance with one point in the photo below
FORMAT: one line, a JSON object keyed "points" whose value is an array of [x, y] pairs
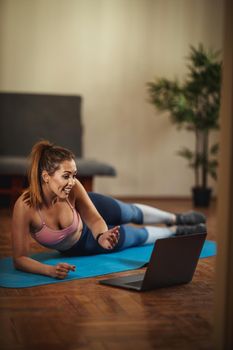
{"points": [[194, 105]]}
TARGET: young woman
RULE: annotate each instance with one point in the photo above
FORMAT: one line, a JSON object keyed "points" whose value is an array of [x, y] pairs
{"points": [[59, 214]]}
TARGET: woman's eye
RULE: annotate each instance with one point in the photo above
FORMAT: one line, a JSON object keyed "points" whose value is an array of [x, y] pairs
{"points": [[66, 177]]}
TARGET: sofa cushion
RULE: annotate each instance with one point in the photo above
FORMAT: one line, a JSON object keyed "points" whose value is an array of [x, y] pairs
{"points": [[13, 165], [27, 118]]}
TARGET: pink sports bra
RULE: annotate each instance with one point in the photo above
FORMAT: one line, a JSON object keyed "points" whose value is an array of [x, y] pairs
{"points": [[50, 238]]}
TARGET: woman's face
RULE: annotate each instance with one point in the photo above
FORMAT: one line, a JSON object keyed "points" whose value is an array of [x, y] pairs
{"points": [[62, 181]]}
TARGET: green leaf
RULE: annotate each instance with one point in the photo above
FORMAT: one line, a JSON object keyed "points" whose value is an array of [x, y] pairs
{"points": [[186, 153], [214, 149]]}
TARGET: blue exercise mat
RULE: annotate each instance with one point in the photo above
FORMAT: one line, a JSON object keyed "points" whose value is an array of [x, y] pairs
{"points": [[86, 266]]}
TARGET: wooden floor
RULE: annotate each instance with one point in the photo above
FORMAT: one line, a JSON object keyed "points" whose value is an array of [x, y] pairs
{"points": [[82, 314]]}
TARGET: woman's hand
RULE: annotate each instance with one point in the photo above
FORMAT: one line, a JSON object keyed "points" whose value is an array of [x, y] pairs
{"points": [[109, 239], [61, 270]]}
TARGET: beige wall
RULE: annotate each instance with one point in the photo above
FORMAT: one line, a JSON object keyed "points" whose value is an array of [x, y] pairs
{"points": [[106, 50]]}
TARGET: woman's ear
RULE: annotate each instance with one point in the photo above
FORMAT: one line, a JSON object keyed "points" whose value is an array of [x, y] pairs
{"points": [[45, 176]]}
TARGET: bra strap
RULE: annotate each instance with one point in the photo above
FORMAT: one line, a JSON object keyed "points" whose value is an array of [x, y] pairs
{"points": [[70, 205], [75, 213]]}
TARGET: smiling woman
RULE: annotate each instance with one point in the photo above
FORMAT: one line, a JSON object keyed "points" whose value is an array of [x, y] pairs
{"points": [[52, 165], [62, 181], [59, 214]]}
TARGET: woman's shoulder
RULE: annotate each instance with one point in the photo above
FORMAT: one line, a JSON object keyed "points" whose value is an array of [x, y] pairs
{"points": [[78, 193], [76, 190], [21, 206]]}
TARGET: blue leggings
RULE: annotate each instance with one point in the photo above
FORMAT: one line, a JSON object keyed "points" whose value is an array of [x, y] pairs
{"points": [[114, 212]]}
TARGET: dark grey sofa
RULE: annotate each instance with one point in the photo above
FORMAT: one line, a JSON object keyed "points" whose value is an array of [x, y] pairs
{"points": [[26, 118]]}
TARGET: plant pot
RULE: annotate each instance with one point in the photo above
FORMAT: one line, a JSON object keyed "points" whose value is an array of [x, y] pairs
{"points": [[201, 196]]}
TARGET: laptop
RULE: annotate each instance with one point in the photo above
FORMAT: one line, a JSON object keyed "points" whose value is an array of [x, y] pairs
{"points": [[173, 261]]}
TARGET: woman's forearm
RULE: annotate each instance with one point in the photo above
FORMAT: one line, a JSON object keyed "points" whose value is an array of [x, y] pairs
{"points": [[27, 264], [98, 227]]}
